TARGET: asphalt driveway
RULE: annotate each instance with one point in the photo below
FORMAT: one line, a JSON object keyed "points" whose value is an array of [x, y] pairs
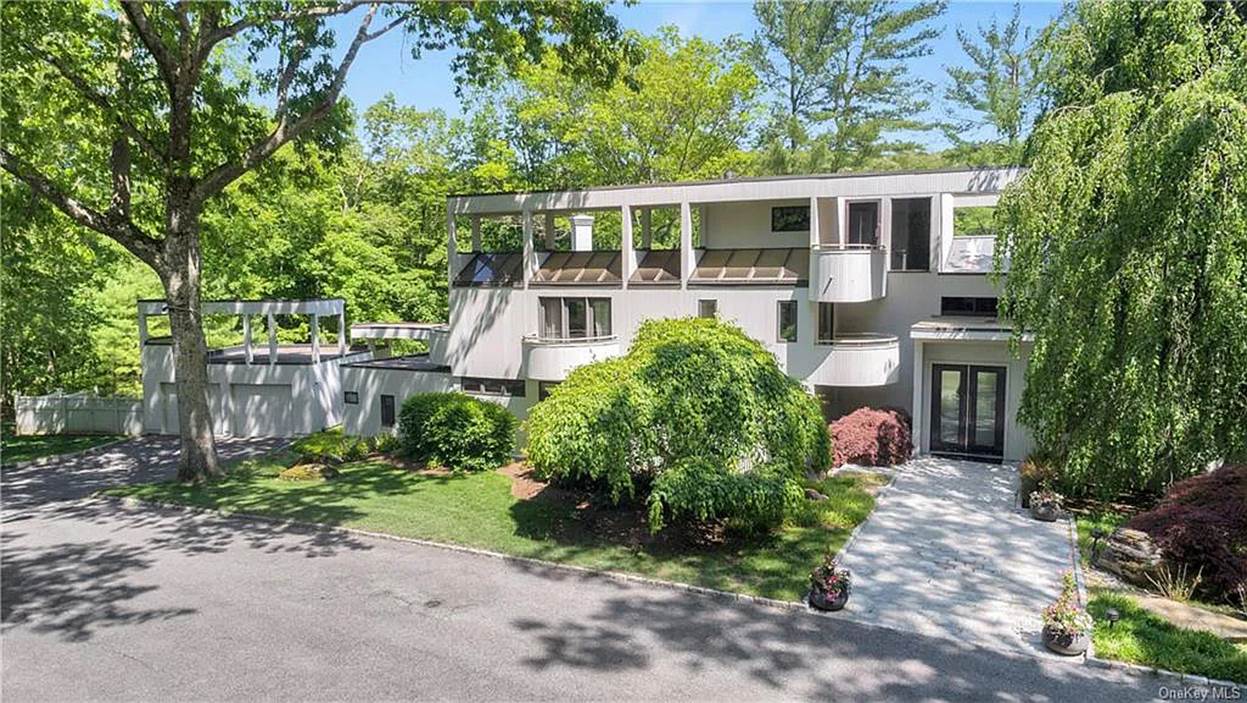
{"points": [[139, 460], [106, 602]]}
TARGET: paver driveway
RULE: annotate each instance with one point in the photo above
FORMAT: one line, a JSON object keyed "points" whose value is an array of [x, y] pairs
{"points": [[947, 554]]}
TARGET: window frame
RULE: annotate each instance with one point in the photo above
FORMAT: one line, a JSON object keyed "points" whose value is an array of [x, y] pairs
{"points": [[350, 397], [781, 222], [979, 306], [780, 306], [388, 409], [848, 220], [830, 336], [926, 262], [592, 305], [701, 308], [497, 387]]}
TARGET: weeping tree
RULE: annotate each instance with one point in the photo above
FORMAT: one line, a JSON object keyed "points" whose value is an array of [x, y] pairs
{"points": [[157, 84], [1127, 246]]}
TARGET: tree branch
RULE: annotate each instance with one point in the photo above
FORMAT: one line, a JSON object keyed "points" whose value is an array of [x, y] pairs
{"points": [[122, 230], [229, 30], [285, 131], [99, 100], [155, 45]]}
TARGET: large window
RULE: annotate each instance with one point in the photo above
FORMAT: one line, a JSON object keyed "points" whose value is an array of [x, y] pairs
{"points": [[826, 323], [575, 318], [864, 223], [707, 307], [787, 321], [966, 306], [911, 234], [790, 218]]}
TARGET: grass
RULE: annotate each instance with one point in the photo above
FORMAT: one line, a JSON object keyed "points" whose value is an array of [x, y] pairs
{"points": [[1142, 637], [15, 449], [478, 510], [1085, 523]]}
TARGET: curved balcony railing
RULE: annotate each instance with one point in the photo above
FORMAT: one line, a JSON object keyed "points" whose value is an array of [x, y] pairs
{"points": [[858, 360], [552, 358], [848, 273]]}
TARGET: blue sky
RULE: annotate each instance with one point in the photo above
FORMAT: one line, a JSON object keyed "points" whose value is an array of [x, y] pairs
{"points": [[386, 66]]}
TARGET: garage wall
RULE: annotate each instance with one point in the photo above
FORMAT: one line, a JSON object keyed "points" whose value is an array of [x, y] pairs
{"points": [[363, 419], [282, 400]]}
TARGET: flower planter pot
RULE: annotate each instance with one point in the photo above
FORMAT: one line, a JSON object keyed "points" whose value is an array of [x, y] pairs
{"points": [[820, 600], [1045, 512], [1068, 645]]}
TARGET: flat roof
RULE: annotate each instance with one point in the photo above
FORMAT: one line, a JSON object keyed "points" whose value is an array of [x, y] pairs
{"points": [[743, 179], [964, 328], [286, 354], [970, 182], [411, 362]]}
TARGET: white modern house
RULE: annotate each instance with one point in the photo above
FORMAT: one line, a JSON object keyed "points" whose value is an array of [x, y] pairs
{"points": [[871, 289]]}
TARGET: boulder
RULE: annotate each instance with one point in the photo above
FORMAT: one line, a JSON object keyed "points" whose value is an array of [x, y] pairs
{"points": [[1131, 555], [814, 495]]}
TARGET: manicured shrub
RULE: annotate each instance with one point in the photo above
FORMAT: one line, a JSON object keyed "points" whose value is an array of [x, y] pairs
{"points": [[871, 437], [456, 431], [1201, 524], [699, 490], [329, 447], [687, 389]]}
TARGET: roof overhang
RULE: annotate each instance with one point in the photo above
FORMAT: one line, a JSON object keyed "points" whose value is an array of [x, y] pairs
{"points": [[965, 181], [963, 329], [398, 330], [319, 306]]}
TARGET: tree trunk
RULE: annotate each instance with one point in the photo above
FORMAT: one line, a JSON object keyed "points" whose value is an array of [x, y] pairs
{"points": [[198, 459]]}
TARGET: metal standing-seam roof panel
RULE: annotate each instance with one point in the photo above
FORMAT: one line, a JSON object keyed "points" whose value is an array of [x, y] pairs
{"points": [[580, 268], [658, 266], [492, 269], [778, 266]]}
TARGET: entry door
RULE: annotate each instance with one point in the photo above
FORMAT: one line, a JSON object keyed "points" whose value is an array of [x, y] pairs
{"points": [[968, 410]]}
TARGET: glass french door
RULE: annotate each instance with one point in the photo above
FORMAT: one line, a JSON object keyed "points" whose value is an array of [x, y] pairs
{"points": [[968, 410]]}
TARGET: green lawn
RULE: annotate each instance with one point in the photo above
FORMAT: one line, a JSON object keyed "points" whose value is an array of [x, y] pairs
{"points": [[14, 449], [1141, 637], [1107, 520], [478, 510]]}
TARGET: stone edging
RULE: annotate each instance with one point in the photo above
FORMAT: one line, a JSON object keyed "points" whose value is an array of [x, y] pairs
{"points": [[29, 463], [1175, 678]]}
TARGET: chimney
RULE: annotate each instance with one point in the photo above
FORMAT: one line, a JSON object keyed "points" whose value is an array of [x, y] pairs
{"points": [[582, 232]]}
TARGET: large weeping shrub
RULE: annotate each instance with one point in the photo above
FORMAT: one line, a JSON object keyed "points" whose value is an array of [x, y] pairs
{"points": [[688, 389], [1126, 244]]}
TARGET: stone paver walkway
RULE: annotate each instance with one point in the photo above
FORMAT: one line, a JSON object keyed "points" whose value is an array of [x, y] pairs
{"points": [[946, 553]]}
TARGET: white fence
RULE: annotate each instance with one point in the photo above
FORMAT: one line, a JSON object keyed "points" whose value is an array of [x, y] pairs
{"points": [[79, 413]]}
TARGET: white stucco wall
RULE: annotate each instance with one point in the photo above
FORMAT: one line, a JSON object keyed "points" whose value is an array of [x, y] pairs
{"points": [[364, 419]]}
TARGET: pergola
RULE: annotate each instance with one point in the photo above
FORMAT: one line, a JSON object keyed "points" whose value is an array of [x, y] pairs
{"points": [[314, 309]]}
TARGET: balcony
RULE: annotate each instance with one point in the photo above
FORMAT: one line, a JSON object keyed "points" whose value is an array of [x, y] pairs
{"points": [[858, 360], [848, 273], [551, 359]]}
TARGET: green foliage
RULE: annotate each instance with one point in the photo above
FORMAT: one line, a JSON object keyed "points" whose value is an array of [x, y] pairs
{"points": [[1127, 246], [330, 446], [308, 472], [697, 490], [841, 80], [998, 91], [681, 113], [974, 221], [456, 431], [1142, 637], [688, 389]]}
